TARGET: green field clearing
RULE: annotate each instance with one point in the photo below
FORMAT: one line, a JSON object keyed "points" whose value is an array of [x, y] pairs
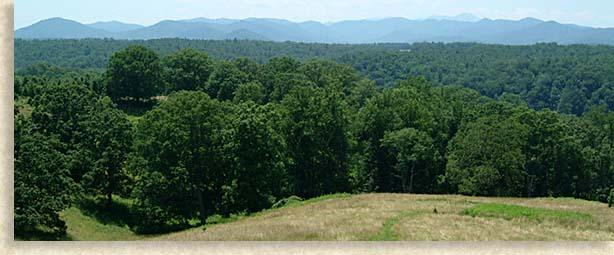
{"points": [[379, 217]]}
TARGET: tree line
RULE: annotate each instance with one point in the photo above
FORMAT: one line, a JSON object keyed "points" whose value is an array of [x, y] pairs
{"points": [[186, 136], [568, 79]]}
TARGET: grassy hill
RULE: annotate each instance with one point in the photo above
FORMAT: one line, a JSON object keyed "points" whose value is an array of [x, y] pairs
{"points": [[388, 217]]}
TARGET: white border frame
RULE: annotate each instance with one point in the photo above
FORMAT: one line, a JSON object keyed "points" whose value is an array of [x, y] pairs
{"points": [[9, 246]]}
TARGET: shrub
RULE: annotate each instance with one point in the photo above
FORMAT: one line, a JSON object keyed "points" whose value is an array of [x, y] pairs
{"points": [[287, 201]]}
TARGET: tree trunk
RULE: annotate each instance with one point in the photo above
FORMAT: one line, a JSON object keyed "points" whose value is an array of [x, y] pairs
{"points": [[109, 199], [403, 181], [201, 206], [526, 172], [411, 177]]}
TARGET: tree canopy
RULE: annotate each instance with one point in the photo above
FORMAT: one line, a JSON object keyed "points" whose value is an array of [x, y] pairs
{"points": [[134, 73], [236, 136]]}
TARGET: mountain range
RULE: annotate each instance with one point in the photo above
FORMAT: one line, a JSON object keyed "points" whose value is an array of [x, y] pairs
{"points": [[461, 28]]}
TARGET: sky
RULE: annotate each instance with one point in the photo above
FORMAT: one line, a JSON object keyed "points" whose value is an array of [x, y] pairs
{"points": [[595, 13]]}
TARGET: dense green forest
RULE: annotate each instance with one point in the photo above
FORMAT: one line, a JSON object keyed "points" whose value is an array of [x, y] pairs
{"points": [[187, 134], [567, 79]]}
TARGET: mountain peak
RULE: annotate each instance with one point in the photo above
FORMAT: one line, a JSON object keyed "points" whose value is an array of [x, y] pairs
{"points": [[530, 20], [114, 26], [59, 28], [464, 17], [57, 20]]}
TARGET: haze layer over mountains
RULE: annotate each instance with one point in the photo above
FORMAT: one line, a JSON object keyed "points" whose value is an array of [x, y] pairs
{"points": [[461, 28]]}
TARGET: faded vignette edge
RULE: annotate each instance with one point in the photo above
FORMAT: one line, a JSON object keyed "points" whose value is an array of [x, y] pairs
{"points": [[8, 246]]}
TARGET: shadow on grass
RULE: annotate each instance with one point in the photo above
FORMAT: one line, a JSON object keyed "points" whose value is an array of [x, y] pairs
{"points": [[121, 213], [42, 235], [118, 213]]}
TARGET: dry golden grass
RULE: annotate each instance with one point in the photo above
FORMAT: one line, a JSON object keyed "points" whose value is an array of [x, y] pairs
{"points": [[410, 217], [449, 227]]}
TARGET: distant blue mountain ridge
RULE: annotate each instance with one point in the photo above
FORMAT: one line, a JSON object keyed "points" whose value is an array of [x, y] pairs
{"points": [[461, 28]]}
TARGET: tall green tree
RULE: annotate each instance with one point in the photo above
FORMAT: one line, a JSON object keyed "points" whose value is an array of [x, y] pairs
{"points": [[60, 110], [485, 157], [545, 131], [134, 73], [109, 138], [276, 73], [602, 123], [317, 141], [181, 146], [187, 69], [413, 151], [259, 156], [391, 111], [43, 186], [225, 80]]}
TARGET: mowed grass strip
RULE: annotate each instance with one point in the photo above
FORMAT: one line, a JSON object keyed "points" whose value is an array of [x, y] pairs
{"points": [[509, 212], [85, 228], [387, 232]]}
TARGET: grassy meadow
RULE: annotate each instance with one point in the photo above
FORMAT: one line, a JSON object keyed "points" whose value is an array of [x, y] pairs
{"points": [[374, 217]]}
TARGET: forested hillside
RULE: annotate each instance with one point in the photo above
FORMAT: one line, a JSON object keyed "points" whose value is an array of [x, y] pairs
{"points": [[567, 79], [187, 134]]}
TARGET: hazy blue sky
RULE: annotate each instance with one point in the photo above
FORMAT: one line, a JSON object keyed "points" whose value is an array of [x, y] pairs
{"points": [[598, 13]]}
